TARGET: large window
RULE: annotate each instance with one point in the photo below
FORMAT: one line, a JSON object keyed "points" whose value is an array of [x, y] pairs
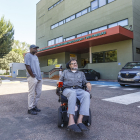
{"points": [[110, 1], [69, 38], [123, 22], [52, 61], [54, 5], [59, 40], [51, 42], [103, 57], [102, 28], [70, 18], [102, 3], [94, 5]]}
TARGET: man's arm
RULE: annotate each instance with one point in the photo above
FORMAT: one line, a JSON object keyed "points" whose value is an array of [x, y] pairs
{"points": [[29, 70], [86, 82]]}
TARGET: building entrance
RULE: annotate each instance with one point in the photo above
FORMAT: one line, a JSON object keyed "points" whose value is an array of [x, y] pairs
{"points": [[84, 61]]}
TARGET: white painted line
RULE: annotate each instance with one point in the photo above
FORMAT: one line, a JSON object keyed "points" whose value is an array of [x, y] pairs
{"points": [[93, 84], [128, 89], [114, 87], [138, 106], [125, 99]]}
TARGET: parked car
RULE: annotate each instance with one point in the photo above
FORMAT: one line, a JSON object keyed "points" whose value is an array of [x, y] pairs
{"points": [[91, 74], [130, 74]]}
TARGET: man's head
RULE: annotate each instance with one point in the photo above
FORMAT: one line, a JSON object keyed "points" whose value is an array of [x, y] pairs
{"points": [[73, 64], [33, 49]]}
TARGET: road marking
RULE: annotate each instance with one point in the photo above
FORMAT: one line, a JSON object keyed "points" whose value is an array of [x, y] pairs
{"points": [[125, 99], [138, 106], [114, 87], [128, 89], [102, 86], [93, 84]]}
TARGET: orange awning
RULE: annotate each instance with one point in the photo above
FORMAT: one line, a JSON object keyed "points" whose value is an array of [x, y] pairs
{"points": [[82, 44]]}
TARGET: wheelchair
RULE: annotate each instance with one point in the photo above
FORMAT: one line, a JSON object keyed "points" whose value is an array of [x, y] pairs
{"points": [[62, 110]]}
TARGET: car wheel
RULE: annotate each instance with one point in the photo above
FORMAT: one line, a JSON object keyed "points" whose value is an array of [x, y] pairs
{"points": [[122, 85], [96, 78]]}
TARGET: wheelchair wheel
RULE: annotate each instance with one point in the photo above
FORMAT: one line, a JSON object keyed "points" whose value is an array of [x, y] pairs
{"points": [[60, 122], [89, 118]]}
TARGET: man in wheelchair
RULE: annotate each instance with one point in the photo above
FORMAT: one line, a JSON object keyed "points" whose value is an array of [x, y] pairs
{"points": [[73, 81]]}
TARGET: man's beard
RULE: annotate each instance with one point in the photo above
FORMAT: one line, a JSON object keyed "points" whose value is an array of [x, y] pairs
{"points": [[74, 68]]}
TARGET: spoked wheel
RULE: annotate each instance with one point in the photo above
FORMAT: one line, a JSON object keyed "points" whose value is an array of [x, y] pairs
{"points": [[60, 122]]}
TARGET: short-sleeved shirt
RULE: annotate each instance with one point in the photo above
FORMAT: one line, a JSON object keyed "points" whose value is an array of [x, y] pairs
{"points": [[70, 78], [33, 62]]}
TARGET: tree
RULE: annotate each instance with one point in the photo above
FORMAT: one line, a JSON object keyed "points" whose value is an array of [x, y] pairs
{"points": [[20, 47], [6, 37], [11, 57]]}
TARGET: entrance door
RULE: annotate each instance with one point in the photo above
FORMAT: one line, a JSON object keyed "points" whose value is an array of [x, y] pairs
{"points": [[84, 61]]}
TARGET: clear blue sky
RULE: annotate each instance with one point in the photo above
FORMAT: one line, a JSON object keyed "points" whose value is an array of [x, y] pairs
{"points": [[22, 14]]}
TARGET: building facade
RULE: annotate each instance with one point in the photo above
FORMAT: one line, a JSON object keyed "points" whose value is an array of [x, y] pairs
{"points": [[101, 34]]}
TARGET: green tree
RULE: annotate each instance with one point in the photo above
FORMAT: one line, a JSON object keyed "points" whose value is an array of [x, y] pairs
{"points": [[20, 47], [11, 57], [6, 36]]}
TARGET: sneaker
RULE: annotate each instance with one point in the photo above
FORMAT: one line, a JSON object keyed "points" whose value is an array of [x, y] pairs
{"points": [[36, 109], [32, 112]]}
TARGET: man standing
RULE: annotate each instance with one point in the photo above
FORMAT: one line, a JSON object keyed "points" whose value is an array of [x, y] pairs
{"points": [[34, 79]]}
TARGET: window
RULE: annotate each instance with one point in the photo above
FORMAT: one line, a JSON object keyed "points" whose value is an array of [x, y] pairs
{"points": [[50, 8], [67, 19], [78, 14], [89, 32], [72, 17], [89, 9], [123, 22], [84, 11], [102, 28], [94, 5], [97, 57], [110, 1], [138, 50], [59, 40], [85, 33], [52, 62], [112, 25], [69, 38], [64, 21], [102, 3], [55, 5], [95, 30], [111, 56], [61, 22], [79, 35], [51, 42], [107, 56]]}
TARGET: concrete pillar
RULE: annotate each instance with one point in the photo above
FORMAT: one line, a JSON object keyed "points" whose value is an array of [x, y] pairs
{"points": [[90, 55]]}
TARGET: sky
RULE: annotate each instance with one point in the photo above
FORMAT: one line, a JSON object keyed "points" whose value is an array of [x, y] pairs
{"points": [[22, 14]]}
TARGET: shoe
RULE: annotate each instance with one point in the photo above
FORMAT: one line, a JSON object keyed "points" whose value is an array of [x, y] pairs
{"points": [[82, 127], [32, 112], [74, 128], [36, 109]]}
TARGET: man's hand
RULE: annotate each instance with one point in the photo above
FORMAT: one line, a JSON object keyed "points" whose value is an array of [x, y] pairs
{"points": [[88, 86]]}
